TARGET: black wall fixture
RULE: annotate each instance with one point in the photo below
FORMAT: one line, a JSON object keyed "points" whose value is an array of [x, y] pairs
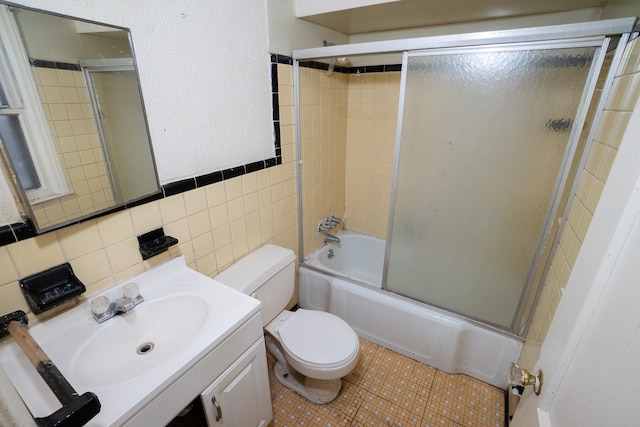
{"points": [[50, 288], [155, 242]]}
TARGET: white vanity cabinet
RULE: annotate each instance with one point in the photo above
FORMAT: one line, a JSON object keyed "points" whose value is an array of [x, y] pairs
{"points": [[235, 372], [207, 337], [240, 397]]}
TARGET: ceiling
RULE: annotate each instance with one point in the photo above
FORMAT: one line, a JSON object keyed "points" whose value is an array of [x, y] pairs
{"points": [[421, 13]]}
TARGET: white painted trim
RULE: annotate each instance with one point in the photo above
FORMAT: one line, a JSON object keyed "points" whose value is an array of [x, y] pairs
{"points": [[543, 418], [552, 32]]}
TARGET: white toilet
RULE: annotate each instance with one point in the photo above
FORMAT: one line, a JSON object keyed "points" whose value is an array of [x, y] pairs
{"points": [[313, 349]]}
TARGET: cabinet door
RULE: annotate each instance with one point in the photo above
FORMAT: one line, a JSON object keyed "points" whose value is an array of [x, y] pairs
{"points": [[240, 397]]}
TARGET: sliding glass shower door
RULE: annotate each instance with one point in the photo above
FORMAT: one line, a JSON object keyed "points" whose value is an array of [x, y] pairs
{"points": [[485, 138]]}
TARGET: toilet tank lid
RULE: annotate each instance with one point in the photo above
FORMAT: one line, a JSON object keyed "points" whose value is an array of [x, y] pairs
{"points": [[247, 274]]}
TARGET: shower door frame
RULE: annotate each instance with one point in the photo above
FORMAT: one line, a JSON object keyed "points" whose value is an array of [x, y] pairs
{"points": [[595, 29], [600, 44]]}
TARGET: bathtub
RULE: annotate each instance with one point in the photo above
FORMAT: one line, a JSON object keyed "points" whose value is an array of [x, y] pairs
{"points": [[358, 257], [442, 340]]}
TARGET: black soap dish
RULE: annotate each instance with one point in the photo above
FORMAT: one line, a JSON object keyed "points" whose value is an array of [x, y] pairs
{"points": [[154, 243], [50, 288]]}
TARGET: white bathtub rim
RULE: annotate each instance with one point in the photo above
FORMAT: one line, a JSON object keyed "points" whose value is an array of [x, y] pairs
{"points": [[442, 312], [339, 275]]}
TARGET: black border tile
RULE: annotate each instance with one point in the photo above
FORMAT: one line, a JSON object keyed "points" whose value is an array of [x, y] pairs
{"points": [[284, 59], [357, 70], [392, 67], [42, 63], [374, 69], [276, 134], [275, 102], [270, 162], [178, 187], [254, 167], [209, 178], [274, 78], [233, 172], [6, 235], [23, 230]]}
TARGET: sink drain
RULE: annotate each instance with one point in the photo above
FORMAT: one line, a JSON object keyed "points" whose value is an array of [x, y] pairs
{"points": [[145, 348]]}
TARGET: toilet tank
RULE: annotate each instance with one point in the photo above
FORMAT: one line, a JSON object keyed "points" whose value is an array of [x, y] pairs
{"points": [[267, 274]]}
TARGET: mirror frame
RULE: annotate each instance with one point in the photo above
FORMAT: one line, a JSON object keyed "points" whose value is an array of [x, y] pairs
{"points": [[26, 204]]}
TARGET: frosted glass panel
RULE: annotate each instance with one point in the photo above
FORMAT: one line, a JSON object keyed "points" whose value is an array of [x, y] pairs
{"points": [[483, 139]]}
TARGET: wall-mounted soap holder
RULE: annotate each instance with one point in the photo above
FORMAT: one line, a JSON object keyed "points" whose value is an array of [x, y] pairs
{"points": [[50, 288], [154, 242]]}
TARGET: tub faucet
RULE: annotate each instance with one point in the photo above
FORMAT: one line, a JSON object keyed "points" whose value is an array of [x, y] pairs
{"points": [[330, 238]]}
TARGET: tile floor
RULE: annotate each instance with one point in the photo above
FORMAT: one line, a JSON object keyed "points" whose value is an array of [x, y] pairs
{"points": [[388, 389]]}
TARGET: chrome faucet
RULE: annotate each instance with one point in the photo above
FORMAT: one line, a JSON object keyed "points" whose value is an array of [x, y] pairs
{"points": [[330, 238], [122, 305], [327, 224], [103, 309]]}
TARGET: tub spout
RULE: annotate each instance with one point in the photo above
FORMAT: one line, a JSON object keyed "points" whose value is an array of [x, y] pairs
{"points": [[330, 238]]}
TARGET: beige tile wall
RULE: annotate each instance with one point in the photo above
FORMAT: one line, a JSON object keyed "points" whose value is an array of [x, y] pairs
{"points": [[66, 104], [348, 135], [323, 118], [215, 226], [371, 133], [618, 109]]}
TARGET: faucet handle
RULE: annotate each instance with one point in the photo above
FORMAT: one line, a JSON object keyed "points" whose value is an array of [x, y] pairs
{"points": [[100, 305], [334, 220], [132, 292], [101, 308]]}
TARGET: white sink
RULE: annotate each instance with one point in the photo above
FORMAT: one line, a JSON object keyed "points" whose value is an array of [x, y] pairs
{"points": [[132, 357], [128, 346]]}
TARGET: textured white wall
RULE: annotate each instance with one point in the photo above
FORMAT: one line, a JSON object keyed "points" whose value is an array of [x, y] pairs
{"points": [[287, 33], [204, 71]]}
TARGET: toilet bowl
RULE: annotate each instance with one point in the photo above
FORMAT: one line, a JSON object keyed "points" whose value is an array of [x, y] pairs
{"points": [[313, 349]]}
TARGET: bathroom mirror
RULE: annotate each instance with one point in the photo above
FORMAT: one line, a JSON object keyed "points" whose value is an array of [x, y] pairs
{"points": [[72, 121]]}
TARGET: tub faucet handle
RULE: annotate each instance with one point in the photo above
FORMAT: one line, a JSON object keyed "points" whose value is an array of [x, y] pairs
{"points": [[334, 220]]}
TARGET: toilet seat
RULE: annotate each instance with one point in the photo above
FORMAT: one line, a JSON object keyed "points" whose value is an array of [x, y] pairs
{"points": [[318, 344]]}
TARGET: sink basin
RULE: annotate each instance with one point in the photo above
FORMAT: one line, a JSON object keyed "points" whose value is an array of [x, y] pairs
{"points": [[130, 345], [132, 357]]}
